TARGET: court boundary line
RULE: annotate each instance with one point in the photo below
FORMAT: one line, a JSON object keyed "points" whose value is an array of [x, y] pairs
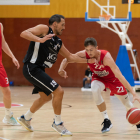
{"points": [[77, 132]]}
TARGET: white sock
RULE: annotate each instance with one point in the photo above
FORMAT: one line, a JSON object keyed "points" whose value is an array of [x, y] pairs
{"points": [[28, 115], [105, 115], [8, 112], [57, 119]]}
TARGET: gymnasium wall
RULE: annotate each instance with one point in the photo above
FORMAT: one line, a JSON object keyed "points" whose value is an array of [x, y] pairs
{"points": [[68, 8], [16, 19]]}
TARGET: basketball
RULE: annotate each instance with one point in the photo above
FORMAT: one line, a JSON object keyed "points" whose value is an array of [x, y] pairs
{"points": [[133, 116]]}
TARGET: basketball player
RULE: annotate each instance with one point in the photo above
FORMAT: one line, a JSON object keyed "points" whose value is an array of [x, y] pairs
{"points": [[105, 74], [4, 83], [42, 53]]}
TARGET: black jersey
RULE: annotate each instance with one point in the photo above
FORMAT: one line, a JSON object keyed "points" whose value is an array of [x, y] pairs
{"points": [[43, 54]]}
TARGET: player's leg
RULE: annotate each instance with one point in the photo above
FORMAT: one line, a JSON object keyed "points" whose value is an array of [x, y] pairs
{"points": [[25, 120], [43, 83], [39, 103], [97, 87], [4, 86], [57, 101], [120, 92], [8, 119], [57, 105], [6, 97], [127, 103], [122, 95]]}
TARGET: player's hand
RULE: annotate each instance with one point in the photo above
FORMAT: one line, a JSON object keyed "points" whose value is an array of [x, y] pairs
{"points": [[15, 61], [92, 60], [63, 73], [136, 97], [47, 37]]}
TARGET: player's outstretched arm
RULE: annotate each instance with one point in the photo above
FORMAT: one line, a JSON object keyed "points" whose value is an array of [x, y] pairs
{"points": [[7, 50], [64, 63], [74, 58], [61, 70], [108, 61], [34, 34]]}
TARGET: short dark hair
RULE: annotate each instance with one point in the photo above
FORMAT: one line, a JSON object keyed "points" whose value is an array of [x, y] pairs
{"points": [[90, 41], [56, 18]]}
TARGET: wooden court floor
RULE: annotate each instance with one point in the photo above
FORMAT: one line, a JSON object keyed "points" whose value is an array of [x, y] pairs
{"points": [[79, 113]]}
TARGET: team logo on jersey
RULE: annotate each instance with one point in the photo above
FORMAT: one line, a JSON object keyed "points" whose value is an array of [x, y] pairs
{"points": [[56, 46], [101, 73], [52, 57]]}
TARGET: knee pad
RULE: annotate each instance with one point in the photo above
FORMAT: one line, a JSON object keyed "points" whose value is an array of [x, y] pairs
{"points": [[125, 100], [96, 91]]}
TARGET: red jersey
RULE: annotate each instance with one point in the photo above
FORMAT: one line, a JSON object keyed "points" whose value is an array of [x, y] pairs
{"points": [[99, 70], [0, 45], [3, 76], [105, 75]]}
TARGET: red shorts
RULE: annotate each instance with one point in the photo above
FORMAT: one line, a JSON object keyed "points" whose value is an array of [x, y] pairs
{"points": [[114, 85], [3, 77]]}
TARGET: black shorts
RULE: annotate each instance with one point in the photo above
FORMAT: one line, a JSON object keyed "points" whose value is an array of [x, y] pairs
{"points": [[41, 81]]}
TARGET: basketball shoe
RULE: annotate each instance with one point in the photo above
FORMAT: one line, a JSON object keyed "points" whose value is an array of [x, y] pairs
{"points": [[10, 120], [138, 127], [107, 125], [61, 129], [25, 123]]}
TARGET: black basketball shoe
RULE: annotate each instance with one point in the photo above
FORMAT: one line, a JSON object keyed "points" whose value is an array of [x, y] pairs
{"points": [[138, 127], [107, 125]]}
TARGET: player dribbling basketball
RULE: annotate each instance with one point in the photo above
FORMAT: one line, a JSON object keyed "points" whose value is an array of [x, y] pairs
{"points": [[105, 74]]}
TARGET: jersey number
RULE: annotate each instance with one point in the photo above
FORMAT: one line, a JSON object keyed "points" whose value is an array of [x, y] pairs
{"points": [[7, 82], [53, 83], [97, 66], [120, 89]]}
